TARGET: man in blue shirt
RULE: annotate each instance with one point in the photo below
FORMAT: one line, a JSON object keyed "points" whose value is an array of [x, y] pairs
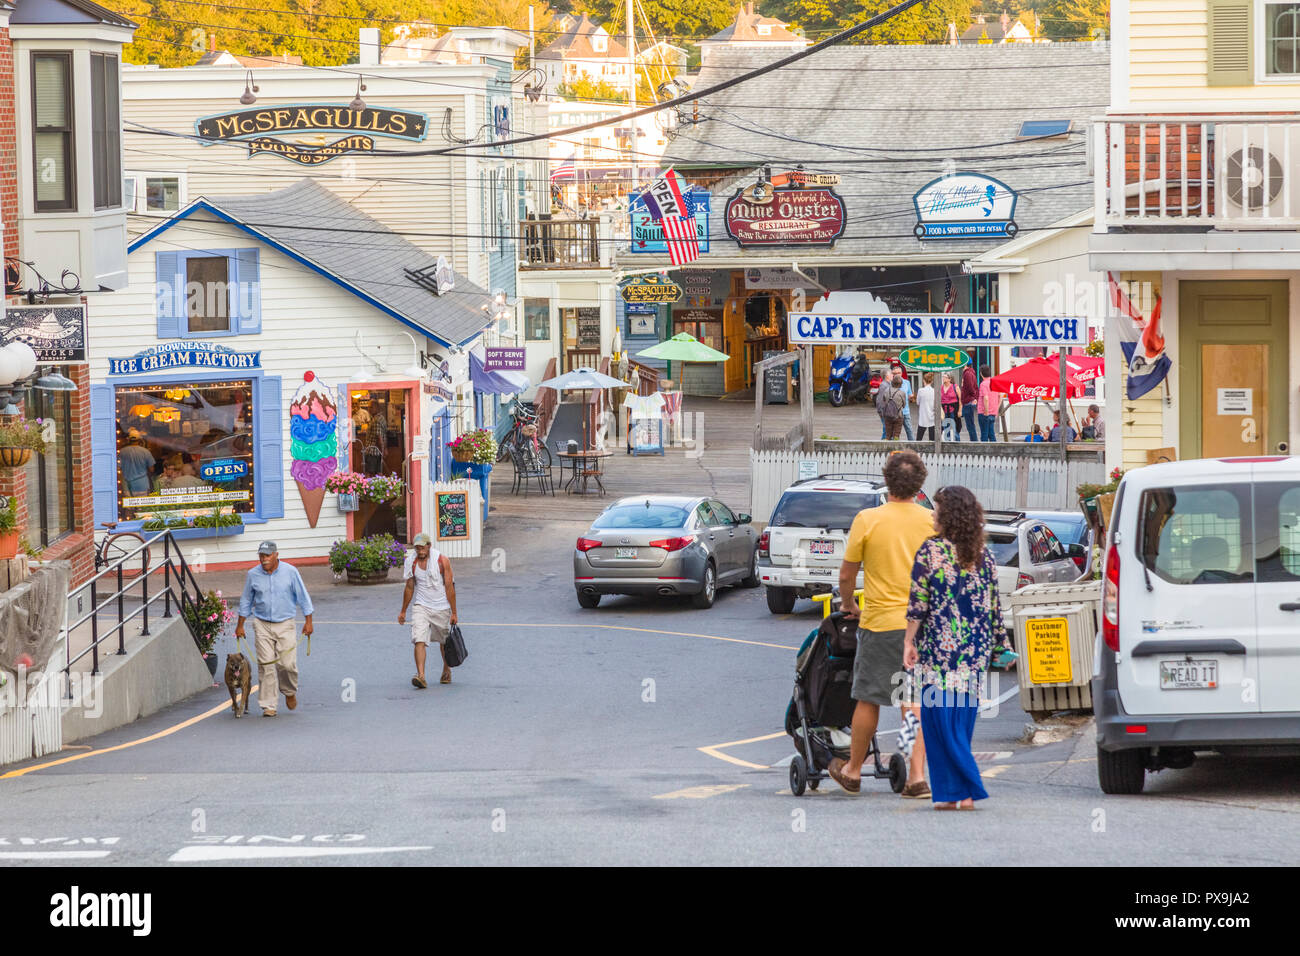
{"points": [[136, 463], [273, 593]]}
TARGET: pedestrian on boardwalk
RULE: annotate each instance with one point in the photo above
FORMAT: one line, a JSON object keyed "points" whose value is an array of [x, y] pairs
{"points": [[987, 406], [430, 586], [969, 397], [951, 400], [925, 408], [273, 593], [882, 543], [890, 402], [951, 620], [897, 366]]}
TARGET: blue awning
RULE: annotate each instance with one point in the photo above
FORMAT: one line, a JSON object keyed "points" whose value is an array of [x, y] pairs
{"points": [[497, 382]]}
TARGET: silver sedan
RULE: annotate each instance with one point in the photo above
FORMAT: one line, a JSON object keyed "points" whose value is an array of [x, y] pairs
{"points": [[666, 545]]}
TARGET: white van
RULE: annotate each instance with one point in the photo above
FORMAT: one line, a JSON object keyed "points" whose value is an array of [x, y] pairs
{"points": [[1200, 639]]}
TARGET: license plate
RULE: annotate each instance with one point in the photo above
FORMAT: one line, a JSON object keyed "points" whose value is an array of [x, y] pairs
{"points": [[819, 572], [625, 552], [1189, 675], [821, 547]]}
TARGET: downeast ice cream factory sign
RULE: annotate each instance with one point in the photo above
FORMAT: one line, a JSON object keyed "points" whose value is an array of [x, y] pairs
{"points": [[201, 355], [308, 124]]}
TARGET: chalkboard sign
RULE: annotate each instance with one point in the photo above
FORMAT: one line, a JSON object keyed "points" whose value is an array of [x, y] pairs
{"points": [[776, 382], [589, 328], [453, 515]]}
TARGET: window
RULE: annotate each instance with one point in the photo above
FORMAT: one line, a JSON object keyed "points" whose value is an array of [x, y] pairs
{"points": [[106, 130], [1005, 548], [207, 294], [724, 513], [184, 449], [704, 515], [1282, 39], [639, 516], [1042, 129], [1277, 522], [52, 119], [829, 510], [129, 185], [49, 475], [153, 193], [537, 320], [1197, 535]]}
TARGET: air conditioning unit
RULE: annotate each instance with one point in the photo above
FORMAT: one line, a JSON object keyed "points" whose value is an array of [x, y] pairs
{"points": [[1256, 175]]}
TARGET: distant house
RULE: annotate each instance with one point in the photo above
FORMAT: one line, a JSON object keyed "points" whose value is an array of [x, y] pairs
{"points": [[420, 42], [214, 57], [583, 48], [663, 53], [752, 29], [1002, 30]]}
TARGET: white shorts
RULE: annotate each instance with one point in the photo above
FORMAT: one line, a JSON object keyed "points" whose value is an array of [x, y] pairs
{"points": [[429, 626]]}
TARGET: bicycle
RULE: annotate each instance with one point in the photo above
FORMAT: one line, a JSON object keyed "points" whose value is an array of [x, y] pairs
{"points": [[117, 545], [523, 432]]}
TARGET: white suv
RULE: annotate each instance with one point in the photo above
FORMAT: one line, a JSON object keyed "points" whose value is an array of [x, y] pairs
{"points": [[802, 547], [1200, 639]]}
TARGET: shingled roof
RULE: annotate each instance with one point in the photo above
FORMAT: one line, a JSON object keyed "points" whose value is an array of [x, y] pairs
{"points": [[889, 120], [745, 29], [311, 224], [575, 43]]}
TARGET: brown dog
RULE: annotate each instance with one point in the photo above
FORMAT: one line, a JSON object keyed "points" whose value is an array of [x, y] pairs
{"points": [[239, 677]]}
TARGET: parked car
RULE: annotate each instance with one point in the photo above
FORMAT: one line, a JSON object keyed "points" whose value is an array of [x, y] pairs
{"points": [[800, 550], [1027, 551], [1071, 528], [1201, 591], [666, 545]]}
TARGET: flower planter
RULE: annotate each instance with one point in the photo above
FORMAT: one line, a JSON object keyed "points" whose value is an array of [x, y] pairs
{"points": [[368, 577], [8, 544], [11, 457], [479, 471]]}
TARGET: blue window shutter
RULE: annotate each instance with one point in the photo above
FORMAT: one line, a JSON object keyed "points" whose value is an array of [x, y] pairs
{"points": [[171, 294], [270, 442], [103, 453], [247, 302]]}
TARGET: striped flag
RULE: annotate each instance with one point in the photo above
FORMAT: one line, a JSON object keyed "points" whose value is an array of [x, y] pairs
{"points": [[668, 207], [948, 299], [563, 172]]}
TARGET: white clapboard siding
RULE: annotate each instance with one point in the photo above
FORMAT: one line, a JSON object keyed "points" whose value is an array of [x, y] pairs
{"points": [[467, 548], [1050, 482]]}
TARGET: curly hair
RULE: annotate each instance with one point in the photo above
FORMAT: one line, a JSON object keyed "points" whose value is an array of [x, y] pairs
{"points": [[904, 473], [960, 519]]}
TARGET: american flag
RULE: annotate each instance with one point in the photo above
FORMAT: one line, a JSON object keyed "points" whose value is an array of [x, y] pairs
{"points": [[668, 207], [948, 300], [564, 171]]}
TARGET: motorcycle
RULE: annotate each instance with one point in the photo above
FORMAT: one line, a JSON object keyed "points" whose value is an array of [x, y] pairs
{"points": [[851, 379]]}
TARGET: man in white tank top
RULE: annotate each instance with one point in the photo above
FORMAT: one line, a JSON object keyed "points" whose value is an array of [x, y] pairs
{"points": [[429, 585]]}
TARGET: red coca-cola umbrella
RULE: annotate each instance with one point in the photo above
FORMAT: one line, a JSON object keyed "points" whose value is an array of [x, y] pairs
{"points": [[1084, 368], [1038, 378]]}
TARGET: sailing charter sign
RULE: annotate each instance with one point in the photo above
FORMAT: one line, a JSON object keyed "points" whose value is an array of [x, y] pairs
{"points": [[261, 128]]}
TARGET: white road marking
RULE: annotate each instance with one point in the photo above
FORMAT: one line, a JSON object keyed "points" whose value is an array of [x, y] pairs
{"points": [[701, 793], [1007, 696], [53, 854], [211, 854]]}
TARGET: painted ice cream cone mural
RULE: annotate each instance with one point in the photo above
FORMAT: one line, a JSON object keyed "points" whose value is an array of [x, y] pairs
{"points": [[312, 422]]}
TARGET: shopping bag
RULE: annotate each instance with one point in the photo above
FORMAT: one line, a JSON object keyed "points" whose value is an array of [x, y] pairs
{"points": [[453, 651]]}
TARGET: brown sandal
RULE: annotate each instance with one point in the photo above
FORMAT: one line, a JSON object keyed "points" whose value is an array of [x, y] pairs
{"points": [[848, 783], [446, 679]]}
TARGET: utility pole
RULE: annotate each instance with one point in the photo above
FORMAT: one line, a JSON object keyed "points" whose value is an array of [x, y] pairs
{"points": [[631, 92]]}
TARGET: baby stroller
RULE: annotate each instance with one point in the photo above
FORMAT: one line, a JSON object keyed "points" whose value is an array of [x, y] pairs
{"points": [[821, 709]]}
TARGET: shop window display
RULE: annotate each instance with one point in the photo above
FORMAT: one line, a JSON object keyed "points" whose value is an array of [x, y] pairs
{"points": [[185, 449]]}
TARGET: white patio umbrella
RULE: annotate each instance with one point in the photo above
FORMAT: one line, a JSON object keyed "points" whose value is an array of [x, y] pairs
{"points": [[584, 380]]}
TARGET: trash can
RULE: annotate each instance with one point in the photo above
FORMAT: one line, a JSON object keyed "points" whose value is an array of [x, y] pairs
{"points": [[1056, 637]]}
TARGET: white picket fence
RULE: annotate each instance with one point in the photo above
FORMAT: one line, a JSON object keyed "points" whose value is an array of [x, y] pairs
{"points": [[999, 483], [31, 721]]}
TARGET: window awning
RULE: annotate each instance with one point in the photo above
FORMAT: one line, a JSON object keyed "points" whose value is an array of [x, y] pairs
{"points": [[499, 382]]}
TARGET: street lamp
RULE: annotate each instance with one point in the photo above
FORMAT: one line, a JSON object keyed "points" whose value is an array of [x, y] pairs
{"points": [[17, 362]]}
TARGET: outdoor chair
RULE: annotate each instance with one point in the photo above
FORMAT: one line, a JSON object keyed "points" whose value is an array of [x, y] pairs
{"points": [[529, 467]]}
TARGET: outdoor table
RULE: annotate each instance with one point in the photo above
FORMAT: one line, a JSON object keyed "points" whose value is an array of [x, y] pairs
{"points": [[592, 467]]}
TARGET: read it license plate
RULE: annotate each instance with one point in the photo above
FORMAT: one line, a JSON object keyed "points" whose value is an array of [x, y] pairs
{"points": [[625, 552], [821, 547], [1189, 675]]}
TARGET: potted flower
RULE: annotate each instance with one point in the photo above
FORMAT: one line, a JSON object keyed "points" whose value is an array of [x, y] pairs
{"points": [[366, 561], [18, 439], [348, 485], [1098, 500], [9, 529], [207, 618], [218, 520], [381, 488], [478, 449]]}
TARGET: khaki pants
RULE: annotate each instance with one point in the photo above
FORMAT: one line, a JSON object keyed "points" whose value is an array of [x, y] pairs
{"points": [[277, 661]]}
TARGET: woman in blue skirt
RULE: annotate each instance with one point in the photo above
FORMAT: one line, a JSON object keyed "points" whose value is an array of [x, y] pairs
{"points": [[952, 618]]}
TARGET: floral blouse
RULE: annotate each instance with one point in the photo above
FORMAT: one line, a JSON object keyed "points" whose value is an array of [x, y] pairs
{"points": [[959, 614]]}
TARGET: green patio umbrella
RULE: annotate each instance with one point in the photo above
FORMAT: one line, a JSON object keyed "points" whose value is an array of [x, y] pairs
{"points": [[683, 347]]}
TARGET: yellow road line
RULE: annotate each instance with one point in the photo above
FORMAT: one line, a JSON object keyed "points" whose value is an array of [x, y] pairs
{"points": [[642, 630], [713, 750], [130, 743]]}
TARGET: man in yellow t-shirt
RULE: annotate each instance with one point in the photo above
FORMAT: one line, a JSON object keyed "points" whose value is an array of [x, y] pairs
{"points": [[883, 542]]}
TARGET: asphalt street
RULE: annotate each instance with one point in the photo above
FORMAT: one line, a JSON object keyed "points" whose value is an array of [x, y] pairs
{"points": [[642, 732]]}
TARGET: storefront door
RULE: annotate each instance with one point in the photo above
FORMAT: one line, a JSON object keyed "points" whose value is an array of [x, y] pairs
{"points": [[381, 431], [1233, 347]]}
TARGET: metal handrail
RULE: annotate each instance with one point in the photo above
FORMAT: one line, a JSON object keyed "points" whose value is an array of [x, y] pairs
{"points": [[179, 592]]}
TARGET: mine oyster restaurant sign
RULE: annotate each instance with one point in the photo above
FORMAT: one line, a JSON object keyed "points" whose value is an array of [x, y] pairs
{"points": [[200, 355], [965, 206], [938, 329], [785, 217], [298, 131]]}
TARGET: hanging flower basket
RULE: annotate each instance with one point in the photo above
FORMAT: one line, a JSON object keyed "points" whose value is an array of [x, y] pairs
{"points": [[11, 457]]}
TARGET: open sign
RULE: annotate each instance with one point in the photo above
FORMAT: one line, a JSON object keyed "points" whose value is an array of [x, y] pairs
{"points": [[223, 469]]}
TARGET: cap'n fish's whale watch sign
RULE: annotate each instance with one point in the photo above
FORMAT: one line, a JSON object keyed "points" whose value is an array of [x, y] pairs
{"points": [[261, 128], [949, 329], [965, 206]]}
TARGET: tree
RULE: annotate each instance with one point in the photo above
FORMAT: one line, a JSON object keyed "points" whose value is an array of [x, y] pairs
{"points": [[1074, 19], [679, 19]]}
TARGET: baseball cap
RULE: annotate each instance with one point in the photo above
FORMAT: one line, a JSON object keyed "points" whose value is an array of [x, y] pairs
{"points": [[267, 547], [421, 539]]}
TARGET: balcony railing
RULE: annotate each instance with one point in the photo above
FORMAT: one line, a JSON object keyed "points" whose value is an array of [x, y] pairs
{"points": [[559, 243], [1222, 172]]}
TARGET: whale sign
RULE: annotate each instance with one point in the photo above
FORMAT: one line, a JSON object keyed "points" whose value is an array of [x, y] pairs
{"points": [[309, 124], [965, 206], [949, 329]]}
